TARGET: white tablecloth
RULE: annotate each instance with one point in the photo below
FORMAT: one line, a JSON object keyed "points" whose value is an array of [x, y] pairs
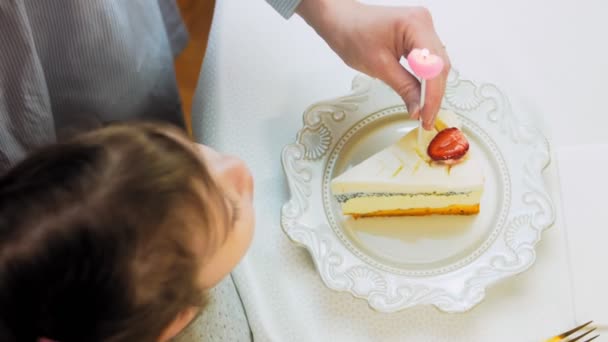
{"points": [[261, 72]]}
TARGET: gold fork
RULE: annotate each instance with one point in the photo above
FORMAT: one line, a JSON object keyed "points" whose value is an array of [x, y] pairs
{"points": [[562, 337]]}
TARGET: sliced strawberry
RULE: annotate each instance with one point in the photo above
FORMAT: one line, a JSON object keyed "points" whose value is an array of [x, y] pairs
{"points": [[449, 144]]}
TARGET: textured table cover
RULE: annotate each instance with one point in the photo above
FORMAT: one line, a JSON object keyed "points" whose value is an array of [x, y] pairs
{"points": [[261, 72]]}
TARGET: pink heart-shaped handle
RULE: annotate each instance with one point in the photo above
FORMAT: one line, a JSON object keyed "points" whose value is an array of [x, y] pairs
{"points": [[424, 64]]}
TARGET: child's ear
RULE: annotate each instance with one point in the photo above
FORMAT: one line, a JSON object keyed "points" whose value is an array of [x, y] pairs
{"points": [[178, 324]]}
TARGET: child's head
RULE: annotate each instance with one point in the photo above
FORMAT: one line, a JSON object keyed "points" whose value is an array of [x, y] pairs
{"points": [[116, 235]]}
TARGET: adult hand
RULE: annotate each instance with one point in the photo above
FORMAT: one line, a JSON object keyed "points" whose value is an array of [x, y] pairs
{"points": [[372, 39]]}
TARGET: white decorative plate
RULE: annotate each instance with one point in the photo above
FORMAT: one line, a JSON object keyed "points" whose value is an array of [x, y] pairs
{"points": [[396, 263]]}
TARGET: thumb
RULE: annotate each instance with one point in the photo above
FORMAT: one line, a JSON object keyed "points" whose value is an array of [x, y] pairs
{"points": [[405, 84]]}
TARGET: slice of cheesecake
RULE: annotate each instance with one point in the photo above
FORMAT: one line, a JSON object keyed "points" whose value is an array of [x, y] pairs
{"points": [[403, 180]]}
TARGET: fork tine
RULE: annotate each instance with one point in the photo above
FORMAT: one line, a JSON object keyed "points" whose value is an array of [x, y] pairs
{"points": [[593, 338], [583, 335], [572, 331]]}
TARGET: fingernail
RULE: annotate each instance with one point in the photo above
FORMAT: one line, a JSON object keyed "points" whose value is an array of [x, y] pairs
{"points": [[415, 112], [428, 125]]}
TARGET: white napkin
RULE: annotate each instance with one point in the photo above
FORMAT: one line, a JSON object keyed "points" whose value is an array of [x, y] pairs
{"points": [[583, 173]]}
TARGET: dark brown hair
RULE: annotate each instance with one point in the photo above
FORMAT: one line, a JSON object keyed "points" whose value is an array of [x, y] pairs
{"points": [[96, 236]]}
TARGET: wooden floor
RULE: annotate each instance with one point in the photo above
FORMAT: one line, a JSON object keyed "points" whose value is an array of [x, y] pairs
{"points": [[197, 15]]}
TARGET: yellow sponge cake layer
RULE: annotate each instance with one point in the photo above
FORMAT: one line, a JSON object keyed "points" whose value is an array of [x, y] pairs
{"points": [[363, 203], [451, 210]]}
